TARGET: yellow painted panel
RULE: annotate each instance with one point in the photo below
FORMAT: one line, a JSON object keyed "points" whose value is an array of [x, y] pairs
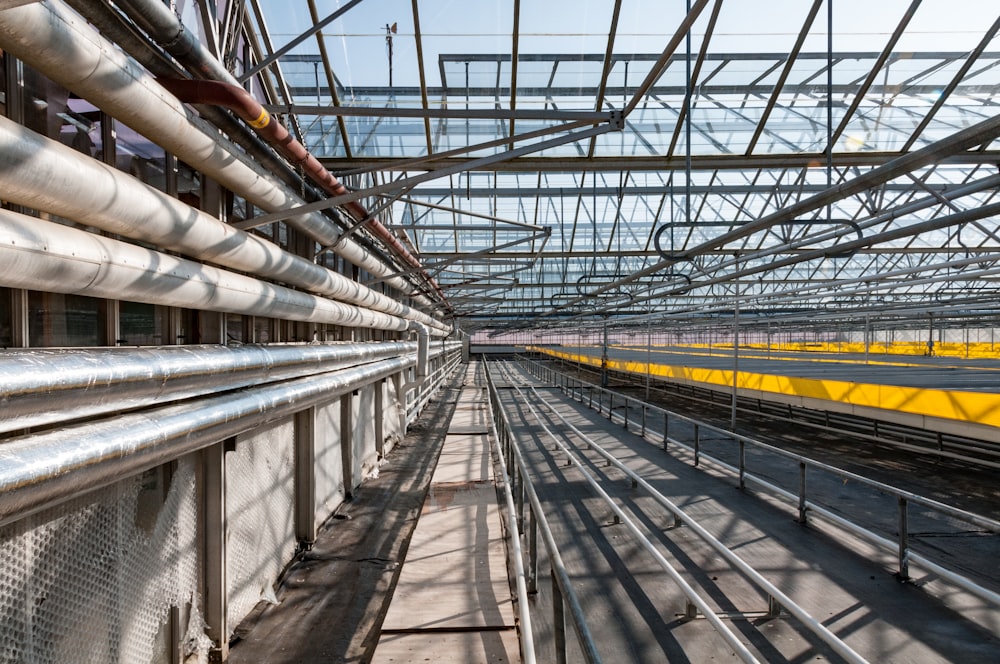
{"points": [[977, 407]]}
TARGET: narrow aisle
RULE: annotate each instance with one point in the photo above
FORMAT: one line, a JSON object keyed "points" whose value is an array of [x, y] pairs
{"points": [[452, 602]]}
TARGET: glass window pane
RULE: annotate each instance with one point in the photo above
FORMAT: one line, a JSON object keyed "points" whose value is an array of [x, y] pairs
{"points": [[57, 320], [140, 324]]}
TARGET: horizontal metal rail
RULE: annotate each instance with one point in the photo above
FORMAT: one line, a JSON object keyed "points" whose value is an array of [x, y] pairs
{"points": [[643, 540], [985, 453], [900, 548], [562, 585], [527, 638], [813, 625]]}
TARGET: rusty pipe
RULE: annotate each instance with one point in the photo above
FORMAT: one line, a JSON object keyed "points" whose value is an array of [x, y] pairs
{"points": [[253, 113]]}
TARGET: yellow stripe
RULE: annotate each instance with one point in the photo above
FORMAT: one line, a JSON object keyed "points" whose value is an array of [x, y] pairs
{"points": [[262, 120], [977, 407]]}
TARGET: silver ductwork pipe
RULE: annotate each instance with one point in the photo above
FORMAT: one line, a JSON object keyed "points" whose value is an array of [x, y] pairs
{"points": [[45, 175], [59, 43], [44, 386], [41, 255], [42, 470]]}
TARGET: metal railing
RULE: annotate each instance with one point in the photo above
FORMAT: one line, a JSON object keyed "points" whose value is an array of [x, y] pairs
{"points": [[608, 401], [777, 600], [563, 594], [694, 599]]}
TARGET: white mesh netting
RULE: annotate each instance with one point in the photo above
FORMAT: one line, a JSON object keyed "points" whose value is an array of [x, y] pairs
{"points": [[93, 580], [260, 509], [329, 465]]}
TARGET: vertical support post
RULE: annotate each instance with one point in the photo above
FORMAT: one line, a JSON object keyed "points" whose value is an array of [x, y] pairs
{"points": [[111, 323], [649, 359], [532, 553], [697, 444], [743, 464], [644, 420], [19, 335], [736, 344], [519, 484], [214, 533], [379, 419], [347, 442], [904, 539], [802, 492], [666, 431], [176, 655], [626, 414], [558, 620], [604, 357], [305, 477]]}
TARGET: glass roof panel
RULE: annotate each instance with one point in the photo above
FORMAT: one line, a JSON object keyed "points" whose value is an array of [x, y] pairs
{"points": [[598, 202]]}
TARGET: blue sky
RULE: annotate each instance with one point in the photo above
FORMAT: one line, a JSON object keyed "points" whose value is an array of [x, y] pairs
{"points": [[358, 49]]}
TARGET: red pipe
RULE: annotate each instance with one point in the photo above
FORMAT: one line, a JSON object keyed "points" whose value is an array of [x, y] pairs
{"points": [[249, 109]]}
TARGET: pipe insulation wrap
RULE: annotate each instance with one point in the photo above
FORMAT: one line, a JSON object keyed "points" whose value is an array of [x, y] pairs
{"points": [[41, 255], [38, 471], [44, 174], [59, 43], [44, 386]]}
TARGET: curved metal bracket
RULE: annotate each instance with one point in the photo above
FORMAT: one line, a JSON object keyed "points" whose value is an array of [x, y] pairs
{"points": [[838, 222], [660, 250]]}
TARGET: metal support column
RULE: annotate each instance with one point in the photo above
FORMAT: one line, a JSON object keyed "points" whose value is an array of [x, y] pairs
{"points": [[305, 478], [214, 534], [347, 441]]}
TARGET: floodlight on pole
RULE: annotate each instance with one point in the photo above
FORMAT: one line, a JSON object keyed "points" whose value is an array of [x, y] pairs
{"points": [[390, 30]]}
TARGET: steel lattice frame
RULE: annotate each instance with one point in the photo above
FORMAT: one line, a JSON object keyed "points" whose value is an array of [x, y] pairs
{"points": [[535, 187]]}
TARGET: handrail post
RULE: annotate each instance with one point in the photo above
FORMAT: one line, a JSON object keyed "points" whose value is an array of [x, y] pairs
{"points": [[802, 491], [558, 620], [697, 444], [743, 464], [666, 430], [532, 552], [519, 484], [904, 537]]}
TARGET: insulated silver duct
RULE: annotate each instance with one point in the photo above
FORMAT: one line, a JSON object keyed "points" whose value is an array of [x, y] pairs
{"points": [[45, 175], [41, 255], [58, 42], [43, 470], [44, 386]]}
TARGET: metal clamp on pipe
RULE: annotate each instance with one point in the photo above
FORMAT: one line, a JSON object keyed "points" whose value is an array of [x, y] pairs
{"points": [[421, 370]]}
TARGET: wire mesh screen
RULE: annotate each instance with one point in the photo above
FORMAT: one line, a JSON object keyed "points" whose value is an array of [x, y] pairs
{"points": [[93, 580], [391, 411], [260, 485], [365, 456], [329, 464]]}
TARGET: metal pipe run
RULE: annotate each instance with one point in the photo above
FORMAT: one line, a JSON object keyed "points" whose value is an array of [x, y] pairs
{"points": [[45, 175], [59, 43], [41, 255], [38, 471], [220, 87], [250, 110], [43, 386]]}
